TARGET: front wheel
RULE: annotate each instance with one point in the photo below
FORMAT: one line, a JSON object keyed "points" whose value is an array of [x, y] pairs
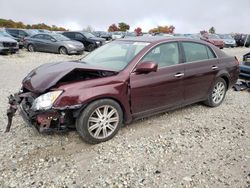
{"points": [[217, 94], [90, 47], [31, 48], [100, 121], [63, 51]]}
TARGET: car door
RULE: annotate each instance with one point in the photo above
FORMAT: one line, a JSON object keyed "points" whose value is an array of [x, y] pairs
{"points": [[162, 89], [49, 44], [37, 41], [81, 38], [201, 67]]}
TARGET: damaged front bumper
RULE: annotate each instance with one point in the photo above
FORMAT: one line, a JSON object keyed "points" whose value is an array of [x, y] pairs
{"points": [[52, 120]]}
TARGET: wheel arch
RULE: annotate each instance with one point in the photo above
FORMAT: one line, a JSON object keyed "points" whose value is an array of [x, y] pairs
{"points": [[225, 76], [124, 113], [61, 46]]}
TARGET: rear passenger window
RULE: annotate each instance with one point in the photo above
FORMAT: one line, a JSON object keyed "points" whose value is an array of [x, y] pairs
{"points": [[70, 35], [197, 52]]}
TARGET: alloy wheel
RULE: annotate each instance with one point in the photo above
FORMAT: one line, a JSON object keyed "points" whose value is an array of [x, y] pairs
{"points": [[63, 51], [103, 121], [31, 48], [218, 92]]}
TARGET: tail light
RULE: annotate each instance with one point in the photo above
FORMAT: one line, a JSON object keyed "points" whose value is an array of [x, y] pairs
{"points": [[237, 61]]}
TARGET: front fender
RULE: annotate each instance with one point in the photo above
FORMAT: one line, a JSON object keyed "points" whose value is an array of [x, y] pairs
{"points": [[82, 96]]}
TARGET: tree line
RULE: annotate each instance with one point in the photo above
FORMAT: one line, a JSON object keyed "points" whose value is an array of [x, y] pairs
{"points": [[13, 24]]}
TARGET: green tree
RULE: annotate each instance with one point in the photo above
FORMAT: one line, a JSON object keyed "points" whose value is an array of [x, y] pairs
{"points": [[13, 24], [123, 26], [212, 30], [163, 29]]}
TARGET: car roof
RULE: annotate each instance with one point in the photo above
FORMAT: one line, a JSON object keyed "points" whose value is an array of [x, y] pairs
{"points": [[152, 39]]}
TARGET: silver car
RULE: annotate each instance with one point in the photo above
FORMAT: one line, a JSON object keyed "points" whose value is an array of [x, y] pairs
{"points": [[7, 44], [55, 43], [228, 40]]}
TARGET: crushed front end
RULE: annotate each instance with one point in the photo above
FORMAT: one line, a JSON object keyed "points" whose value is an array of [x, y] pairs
{"points": [[44, 119]]}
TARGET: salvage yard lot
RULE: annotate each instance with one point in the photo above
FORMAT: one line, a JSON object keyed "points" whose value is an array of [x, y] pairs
{"points": [[195, 146]]}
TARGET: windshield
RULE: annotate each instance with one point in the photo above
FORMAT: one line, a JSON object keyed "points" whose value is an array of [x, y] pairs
{"points": [[32, 32], [115, 55], [4, 34], [59, 37], [88, 35]]}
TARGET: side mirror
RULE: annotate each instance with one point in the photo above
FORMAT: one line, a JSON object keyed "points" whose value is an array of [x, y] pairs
{"points": [[146, 67]]}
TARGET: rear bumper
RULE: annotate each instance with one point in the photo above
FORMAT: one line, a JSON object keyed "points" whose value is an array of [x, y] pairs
{"points": [[230, 45], [220, 45]]}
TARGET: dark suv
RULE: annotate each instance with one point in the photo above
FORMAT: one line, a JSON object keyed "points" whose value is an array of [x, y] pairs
{"points": [[89, 40], [20, 34]]}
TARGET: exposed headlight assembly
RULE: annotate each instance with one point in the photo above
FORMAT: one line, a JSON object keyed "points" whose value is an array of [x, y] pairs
{"points": [[45, 101]]}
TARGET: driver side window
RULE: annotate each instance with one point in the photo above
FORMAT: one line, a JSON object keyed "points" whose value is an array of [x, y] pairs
{"points": [[164, 54]]}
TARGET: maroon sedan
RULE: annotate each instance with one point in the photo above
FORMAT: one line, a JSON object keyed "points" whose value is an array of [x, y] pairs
{"points": [[214, 39], [121, 81]]}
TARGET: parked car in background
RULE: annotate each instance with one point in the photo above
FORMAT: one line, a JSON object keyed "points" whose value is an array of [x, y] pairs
{"points": [[178, 35], [130, 34], [89, 40], [213, 39], [55, 43], [245, 67], [193, 36], [117, 35], [7, 44], [20, 34], [4, 33], [163, 34], [122, 81], [242, 40], [102, 34], [228, 40]]}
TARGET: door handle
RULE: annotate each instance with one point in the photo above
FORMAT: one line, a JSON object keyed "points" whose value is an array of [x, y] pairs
{"points": [[214, 67], [178, 75]]}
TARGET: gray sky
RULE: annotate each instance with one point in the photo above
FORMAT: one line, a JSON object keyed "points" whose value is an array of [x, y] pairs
{"points": [[187, 16]]}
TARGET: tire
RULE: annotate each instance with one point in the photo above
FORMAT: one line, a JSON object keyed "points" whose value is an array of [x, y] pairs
{"points": [[63, 51], [217, 94], [90, 48], [92, 125], [80, 53], [31, 48]]}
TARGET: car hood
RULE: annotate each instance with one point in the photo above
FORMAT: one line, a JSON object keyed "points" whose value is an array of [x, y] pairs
{"points": [[229, 41], [48, 75], [7, 39]]}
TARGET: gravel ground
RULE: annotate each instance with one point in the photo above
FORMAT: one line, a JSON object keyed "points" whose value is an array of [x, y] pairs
{"points": [[195, 146]]}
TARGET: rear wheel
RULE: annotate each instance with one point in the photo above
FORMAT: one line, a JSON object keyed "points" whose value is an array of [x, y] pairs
{"points": [[31, 48], [217, 94], [90, 47], [100, 121], [63, 51]]}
